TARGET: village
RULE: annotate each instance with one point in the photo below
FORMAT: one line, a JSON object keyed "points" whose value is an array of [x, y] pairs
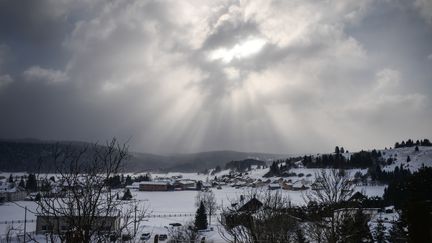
{"points": [[156, 189]]}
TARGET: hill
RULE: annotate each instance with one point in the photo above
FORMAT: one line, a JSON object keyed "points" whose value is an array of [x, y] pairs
{"points": [[416, 158], [36, 155]]}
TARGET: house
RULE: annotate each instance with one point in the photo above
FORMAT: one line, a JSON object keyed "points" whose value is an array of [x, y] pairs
{"points": [[369, 212], [357, 197], [134, 185], [9, 192], [287, 186], [299, 186], [185, 184], [251, 206], [154, 186], [274, 186], [62, 224]]}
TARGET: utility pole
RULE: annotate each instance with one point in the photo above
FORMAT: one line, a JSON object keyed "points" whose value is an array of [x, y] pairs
{"points": [[135, 223], [25, 223]]}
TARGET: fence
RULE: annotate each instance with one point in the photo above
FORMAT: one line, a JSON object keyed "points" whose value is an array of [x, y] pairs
{"points": [[165, 215]]}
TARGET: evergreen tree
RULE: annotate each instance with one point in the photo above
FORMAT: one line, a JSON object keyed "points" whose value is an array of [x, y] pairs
{"points": [[21, 183], [201, 218], [337, 151], [379, 231], [425, 142], [274, 170], [46, 186], [416, 149], [11, 180], [199, 185], [299, 236], [342, 150], [360, 228], [127, 195], [408, 159], [397, 233], [128, 180], [38, 197], [31, 183]]}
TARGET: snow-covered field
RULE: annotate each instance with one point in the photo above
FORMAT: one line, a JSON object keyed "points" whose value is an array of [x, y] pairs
{"points": [[163, 204], [417, 159]]}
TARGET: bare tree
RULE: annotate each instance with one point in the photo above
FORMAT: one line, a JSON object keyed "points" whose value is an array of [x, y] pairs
{"points": [[332, 189], [209, 200], [183, 234], [262, 217], [84, 208]]}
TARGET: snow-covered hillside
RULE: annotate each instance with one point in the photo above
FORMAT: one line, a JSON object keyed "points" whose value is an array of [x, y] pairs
{"points": [[417, 158]]}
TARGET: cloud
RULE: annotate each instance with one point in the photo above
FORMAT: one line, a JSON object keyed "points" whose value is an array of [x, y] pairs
{"points": [[425, 9], [5, 80], [179, 76], [37, 73], [387, 79]]}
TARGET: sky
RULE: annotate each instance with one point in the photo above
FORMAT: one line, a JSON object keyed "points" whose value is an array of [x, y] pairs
{"points": [[293, 76]]}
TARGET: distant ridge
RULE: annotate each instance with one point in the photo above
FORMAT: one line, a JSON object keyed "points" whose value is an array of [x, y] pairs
{"points": [[29, 154]]}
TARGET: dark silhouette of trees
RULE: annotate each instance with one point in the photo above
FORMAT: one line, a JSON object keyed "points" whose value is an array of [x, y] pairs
{"points": [[128, 180], [274, 170], [146, 177], [185, 233], [21, 183], [243, 165], [362, 159], [262, 216], [411, 143], [114, 181], [326, 217], [31, 184], [354, 228], [412, 194], [397, 233], [127, 195], [208, 198], [379, 234], [85, 195], [201, 217]]}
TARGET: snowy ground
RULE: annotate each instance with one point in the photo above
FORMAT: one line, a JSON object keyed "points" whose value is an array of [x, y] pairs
{"points": [[183, 202], [170, 203], [419, 158]]}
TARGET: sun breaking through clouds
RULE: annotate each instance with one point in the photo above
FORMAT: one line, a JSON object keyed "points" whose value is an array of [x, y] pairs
{"points": [[180, 76]]}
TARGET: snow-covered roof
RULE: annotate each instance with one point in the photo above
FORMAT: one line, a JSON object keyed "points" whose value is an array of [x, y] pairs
{"points": [[274, 185], [154, 183]]}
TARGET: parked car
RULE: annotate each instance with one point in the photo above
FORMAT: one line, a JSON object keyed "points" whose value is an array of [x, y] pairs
{"points": [[163, 237], [145, 236]]}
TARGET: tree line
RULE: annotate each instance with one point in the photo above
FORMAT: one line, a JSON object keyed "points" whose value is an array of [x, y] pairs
{"points": [[411, 143]]}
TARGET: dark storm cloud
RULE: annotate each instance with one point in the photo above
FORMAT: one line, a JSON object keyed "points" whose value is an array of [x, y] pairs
{"points": [[178, 76]]}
